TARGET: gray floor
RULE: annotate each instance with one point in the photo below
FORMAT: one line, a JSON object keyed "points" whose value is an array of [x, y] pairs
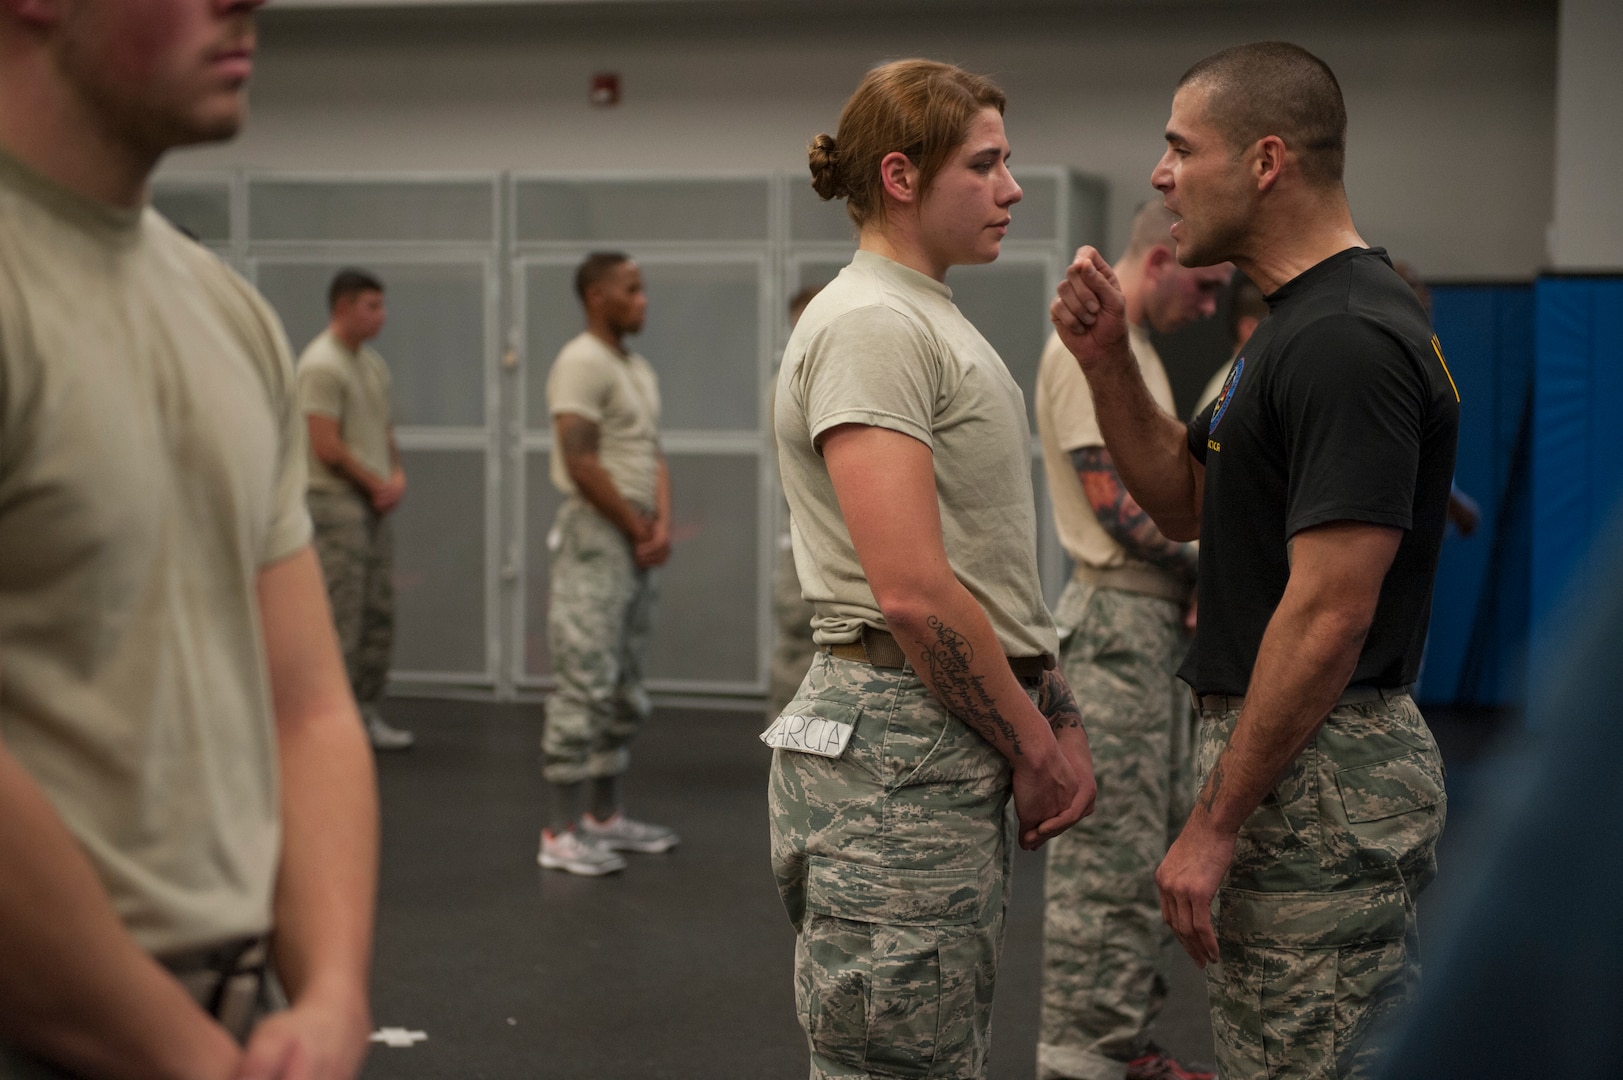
{"points": [[677, 968]]}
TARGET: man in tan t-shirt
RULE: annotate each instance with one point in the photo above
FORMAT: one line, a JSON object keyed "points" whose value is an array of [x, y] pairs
{"points": [[1121, 621], [613, 531], [355, 484], [181, 765]]}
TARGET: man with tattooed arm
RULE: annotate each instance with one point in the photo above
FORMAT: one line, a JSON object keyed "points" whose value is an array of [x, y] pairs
{"points": [[1121, 622]]}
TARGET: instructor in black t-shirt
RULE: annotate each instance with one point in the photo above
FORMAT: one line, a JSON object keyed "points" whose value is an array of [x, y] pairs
{"points": [[1317, 483]]}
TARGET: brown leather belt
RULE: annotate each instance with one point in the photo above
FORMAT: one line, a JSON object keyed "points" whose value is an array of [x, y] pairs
{"points": [[879, 648], [1355, 695]]}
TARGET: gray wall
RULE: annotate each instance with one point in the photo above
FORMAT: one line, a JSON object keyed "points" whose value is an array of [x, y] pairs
{"points": [[1452, 104], [1587, 231]]}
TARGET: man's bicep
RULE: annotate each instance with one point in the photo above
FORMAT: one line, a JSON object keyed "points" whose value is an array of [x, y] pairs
{"points": [[1344, 562], [578, 436], [320, 391]]}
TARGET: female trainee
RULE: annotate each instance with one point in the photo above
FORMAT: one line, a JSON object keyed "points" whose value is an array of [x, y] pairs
{"points": [[905, 455]]}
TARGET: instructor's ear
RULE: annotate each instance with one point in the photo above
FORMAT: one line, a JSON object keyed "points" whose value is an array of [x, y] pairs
{"points": [[1268, 160]]}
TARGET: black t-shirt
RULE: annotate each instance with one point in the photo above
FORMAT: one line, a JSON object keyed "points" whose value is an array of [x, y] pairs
{"points": [[1340, 408]]}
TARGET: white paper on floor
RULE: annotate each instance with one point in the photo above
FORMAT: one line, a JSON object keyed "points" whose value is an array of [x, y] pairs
{"points": [[399, 1038]]}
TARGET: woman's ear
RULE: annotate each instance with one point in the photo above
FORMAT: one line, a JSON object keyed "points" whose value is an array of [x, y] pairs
{"points": [[899, 177]]}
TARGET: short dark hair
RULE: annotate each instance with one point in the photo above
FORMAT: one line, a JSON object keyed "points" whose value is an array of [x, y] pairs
{"points": [[1276, 88], [1245, 299], [595, 267], [348, 282]]}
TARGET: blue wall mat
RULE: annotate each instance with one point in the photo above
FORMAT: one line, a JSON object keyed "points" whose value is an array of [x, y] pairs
{"points": [[1476, 653], [1578, 416]]}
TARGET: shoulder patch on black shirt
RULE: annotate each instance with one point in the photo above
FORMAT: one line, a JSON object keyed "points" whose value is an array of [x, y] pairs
{"points": [[1227, 393]]}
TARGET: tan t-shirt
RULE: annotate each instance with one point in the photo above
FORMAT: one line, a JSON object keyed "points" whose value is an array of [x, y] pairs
{"points": [[353, 389], [1066, 421], [620, 394], [151, 463], [885, 346]]}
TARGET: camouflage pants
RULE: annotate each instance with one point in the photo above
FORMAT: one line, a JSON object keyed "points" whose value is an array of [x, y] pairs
{"points": [[356, 549], [1103, 936], [598, 626], [792, 646], [1316, 918], [893, 864]]}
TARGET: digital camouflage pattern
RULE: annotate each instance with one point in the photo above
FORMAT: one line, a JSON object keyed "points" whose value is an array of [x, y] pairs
{"points": [[793, 648], [893, 864], [1316, 919], [1104, 976], [598, 626], [356, 548]]}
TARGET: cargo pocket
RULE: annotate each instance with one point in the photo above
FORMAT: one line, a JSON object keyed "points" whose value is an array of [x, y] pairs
{"points": [[889, 979], [1297, 990]]}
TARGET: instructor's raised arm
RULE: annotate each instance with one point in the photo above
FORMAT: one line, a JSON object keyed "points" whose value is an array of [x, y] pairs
{"points": [[1149, 446]]}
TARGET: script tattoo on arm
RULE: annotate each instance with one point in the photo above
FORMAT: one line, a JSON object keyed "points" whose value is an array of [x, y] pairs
{"points": [[948, 656], [1121, 516], [1058, 704]]}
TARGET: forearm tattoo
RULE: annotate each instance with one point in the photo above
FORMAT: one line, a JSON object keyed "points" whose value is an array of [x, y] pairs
{"points": [[947, 657], [1123, 519], [1057, 703]]}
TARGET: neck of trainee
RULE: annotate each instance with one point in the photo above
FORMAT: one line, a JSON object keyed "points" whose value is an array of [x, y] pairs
{"points": [[50, 127], [1130, 275], [346, 337], [896, 238], [1305, 232], [606, 332]]}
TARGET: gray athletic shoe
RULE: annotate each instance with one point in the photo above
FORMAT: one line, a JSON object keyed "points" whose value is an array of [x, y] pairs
{"points": [[571, 852], [621, 833], [384, 737]]}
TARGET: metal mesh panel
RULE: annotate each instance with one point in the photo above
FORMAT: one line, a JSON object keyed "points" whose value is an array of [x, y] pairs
{"points": [[552, 315], [705, 628], [1008, 303], [812, 219], [440, 578], [1036, 215], [703, 337], [433, 339], [204, 210], [626, 211], [541, 501], [377, 210]]}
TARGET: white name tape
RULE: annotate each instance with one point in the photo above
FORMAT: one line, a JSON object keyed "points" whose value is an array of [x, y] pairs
{"points": [[808, 735]]}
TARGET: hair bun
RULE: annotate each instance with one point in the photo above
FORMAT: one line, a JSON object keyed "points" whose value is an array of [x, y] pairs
{"points": [[823, 155]]}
